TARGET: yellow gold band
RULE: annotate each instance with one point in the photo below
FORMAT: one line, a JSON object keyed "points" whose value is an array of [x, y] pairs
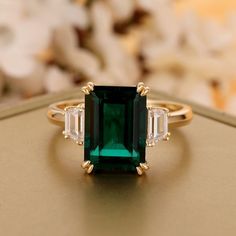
{"points": [[179, 114]]}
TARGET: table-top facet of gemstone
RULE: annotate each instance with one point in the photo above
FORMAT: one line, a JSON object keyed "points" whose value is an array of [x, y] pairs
{"points": [[115, 128]]}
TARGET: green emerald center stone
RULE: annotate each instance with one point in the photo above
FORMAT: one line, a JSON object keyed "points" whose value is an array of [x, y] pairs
{"points": [[115, 128]]}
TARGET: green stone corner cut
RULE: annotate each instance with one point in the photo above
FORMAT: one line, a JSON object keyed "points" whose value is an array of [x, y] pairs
{"points": [[115, 128]]}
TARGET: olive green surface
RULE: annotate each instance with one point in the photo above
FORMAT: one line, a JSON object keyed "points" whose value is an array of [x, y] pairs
{"points": [[189, 190]]}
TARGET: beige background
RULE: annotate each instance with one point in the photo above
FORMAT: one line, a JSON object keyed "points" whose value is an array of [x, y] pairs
{"points": [[189, 190], [213, 9]]}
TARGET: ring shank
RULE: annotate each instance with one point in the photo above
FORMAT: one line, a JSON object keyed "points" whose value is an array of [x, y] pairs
{"points": [[56, 111], [179, 114]]}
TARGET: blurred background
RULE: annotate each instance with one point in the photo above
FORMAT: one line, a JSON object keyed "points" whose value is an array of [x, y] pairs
{"points": [[185, 48]]}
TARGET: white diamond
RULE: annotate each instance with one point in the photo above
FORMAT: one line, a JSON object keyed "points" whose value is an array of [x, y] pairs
{"points": [[157, 125], [74, 123]]}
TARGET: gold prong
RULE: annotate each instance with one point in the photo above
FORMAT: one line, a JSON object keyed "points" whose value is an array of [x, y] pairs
{"points": [[90, 168], [150, 145], [167, 138], [144, 166], [65, 135], [85, 90], [81, 105], [88, 88], [80, 143], [145, 91], [140, 87], [85, 164], [68, 107], [139, 170]]}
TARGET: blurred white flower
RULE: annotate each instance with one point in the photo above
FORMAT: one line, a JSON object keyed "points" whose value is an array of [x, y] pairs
{"points": [[29, 31], [68, 53], [163, 81], [122, 10], [57, 80], [31, 84], [117, 62], [176, 54]]}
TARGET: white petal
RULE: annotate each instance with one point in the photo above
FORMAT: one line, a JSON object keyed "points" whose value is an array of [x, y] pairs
{"points": [[166, 22], [83, 61], [192, 28], [77, 15], [122, 10], [10, 11], [30, 84], [17, 65], [7, 37], [190, 86], [217, 38], [162, 81], [101, 18], [64, 38], [57, 80], [67, 52], [32, 36]]}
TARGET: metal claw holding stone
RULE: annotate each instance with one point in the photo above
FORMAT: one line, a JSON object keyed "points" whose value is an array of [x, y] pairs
{"points": [[65, 135], [167, 137], [88, 88], [142, 89], [87, 166], [142, 168], [80, 143]]}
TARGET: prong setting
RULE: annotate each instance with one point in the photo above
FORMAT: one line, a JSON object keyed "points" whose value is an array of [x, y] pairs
{"points": [[150, 144], [142, 168], [87, 166], [139, 170], [88, 88], [65, 135], [90, 169], [142, 89], [80, 143], [167, 137], [145, 91]]}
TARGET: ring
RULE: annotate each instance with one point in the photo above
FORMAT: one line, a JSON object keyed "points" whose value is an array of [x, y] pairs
{"points": [[116, 124]]}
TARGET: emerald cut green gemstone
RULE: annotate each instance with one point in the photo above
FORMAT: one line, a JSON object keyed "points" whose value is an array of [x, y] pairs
{"points": [[115, 128]]}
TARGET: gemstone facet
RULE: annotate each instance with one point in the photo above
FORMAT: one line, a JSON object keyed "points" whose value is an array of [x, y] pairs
{"points": [[157, 125], [115, 128], [74, 124]]}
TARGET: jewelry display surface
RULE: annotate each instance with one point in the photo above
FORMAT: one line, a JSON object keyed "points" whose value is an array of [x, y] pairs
{"points": [[190, 190]]}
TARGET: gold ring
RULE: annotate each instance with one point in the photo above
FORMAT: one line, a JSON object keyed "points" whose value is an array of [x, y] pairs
{"points": [[116, 124]]}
